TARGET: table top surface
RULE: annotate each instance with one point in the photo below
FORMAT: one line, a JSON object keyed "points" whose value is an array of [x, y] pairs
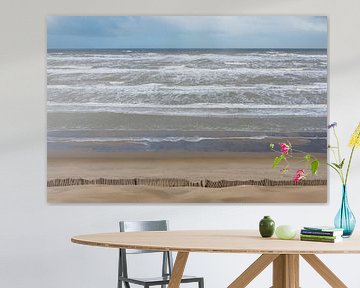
{"points": [[216, 241]]}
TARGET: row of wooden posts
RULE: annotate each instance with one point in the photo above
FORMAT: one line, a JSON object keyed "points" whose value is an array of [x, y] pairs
{"points": [[176, 182]]}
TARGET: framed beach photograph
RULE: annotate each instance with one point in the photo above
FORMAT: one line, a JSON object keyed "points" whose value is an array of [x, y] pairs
{"points": [[187, 109]]}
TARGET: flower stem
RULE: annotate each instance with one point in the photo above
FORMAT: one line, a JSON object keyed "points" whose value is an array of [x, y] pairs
{"points": [[334, 154], [339, 156], [348, 167], [351, 156], [338, 145]]}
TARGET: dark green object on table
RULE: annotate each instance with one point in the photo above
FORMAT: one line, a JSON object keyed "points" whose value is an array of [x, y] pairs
{"points": [[267, 227]]}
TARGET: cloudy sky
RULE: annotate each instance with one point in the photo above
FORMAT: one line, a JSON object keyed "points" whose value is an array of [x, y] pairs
{"points": [[186, 32]]}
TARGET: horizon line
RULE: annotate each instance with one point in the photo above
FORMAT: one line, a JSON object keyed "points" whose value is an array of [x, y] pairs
{"points": [[172, 48]]}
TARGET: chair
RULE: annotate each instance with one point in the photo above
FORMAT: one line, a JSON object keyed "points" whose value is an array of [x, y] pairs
{"points": [[167, 262]]}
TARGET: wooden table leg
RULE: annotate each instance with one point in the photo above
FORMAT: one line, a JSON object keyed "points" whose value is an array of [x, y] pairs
{"points": [[253, 270], [324, 271], [178, 270], [286, 271]]}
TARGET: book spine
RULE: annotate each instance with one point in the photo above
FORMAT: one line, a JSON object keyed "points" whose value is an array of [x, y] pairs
{"points": [[318, 236], [317, 239], [319, 233]]}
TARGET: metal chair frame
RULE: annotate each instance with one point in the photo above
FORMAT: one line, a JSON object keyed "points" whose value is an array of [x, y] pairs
{"points": [[167, 262]]}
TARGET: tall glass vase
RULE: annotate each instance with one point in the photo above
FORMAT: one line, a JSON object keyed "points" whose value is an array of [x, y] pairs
{"points": [[345, 219]]}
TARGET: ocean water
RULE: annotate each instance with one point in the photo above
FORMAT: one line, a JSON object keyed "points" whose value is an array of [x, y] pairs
{"points": [[186, 99]]}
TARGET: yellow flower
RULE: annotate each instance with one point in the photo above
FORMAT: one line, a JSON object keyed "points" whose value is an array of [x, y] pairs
{"points": [[355, 138]]}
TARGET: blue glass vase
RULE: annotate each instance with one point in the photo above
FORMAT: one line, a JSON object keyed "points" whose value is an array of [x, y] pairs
{"points": [[345, 219]]}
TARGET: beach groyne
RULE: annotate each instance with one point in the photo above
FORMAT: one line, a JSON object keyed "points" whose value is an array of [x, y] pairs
{"points": [[178, 182]]}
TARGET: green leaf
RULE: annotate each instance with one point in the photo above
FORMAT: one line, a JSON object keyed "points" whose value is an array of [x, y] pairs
{"points": [[336, 165], [272, 146], [342, 163], [314, 166], [307, 157], [277, 160], [333, 167], [336, 169]]}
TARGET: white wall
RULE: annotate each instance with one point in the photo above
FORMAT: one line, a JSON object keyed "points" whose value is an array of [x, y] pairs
{"points": [[35, 248]]}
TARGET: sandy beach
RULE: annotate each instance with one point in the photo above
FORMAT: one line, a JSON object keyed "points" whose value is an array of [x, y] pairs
{"points": [[190, 166]]}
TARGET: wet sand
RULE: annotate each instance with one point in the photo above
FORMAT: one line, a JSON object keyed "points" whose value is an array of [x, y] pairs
{"points": [[191, 166]]}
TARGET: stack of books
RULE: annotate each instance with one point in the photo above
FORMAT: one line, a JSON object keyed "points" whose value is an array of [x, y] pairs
{"points": [[321, 234]]}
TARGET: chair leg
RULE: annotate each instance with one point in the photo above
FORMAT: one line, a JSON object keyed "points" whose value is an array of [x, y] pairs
{"points": [[120, 273], [201, 283]]}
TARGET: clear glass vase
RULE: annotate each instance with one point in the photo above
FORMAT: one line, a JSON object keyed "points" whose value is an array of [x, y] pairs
{"points": [[345, 219]]}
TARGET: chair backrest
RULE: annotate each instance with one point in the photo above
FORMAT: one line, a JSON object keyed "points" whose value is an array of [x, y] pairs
{"points": [[138, 226]]}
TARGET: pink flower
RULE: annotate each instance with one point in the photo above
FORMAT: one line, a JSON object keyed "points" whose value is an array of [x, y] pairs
{"points": [[284, 148], [300, 174]]}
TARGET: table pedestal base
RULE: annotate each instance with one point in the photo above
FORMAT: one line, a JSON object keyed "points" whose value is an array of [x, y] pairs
{"points": [[286, 271]]}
